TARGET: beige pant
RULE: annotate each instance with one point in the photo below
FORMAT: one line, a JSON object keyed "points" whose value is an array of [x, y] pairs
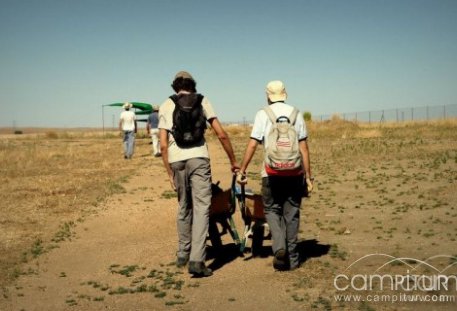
{"points": [[193, 184], [155, 141]]}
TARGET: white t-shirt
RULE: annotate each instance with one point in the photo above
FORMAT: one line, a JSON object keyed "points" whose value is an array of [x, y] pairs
{"points": [[175, 153], [128, 120], [262, 125]]}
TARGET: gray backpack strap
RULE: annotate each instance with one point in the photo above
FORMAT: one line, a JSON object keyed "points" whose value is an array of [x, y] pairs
{"points": [[271, 115], [293, 116]]}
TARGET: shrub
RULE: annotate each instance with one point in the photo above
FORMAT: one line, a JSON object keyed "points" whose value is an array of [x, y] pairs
{"points": [[307, 116], [51, 135]]}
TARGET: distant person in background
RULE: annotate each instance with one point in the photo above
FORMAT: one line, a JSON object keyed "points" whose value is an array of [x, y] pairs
{"points": [[128, 127], [153, 130]]}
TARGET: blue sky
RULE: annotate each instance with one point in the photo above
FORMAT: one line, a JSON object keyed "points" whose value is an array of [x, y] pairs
{"points": [[61, 60]]}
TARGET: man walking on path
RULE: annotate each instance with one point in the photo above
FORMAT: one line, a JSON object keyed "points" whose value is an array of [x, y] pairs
{"points": [[182, 121], [153, 130], [282, 184], [127, 125]]}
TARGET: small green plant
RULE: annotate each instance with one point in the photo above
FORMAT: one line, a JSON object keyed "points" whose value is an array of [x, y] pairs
{"points": [[37, 248], [71, 302], [364, 306], [304, 282], [115, 187], [297, 298], [64, 232], [160, 294], [126, 270], [307, 116], [174, 302], [335, 252], [326, 304], [453, 260], [119, 291], [169, 194]]}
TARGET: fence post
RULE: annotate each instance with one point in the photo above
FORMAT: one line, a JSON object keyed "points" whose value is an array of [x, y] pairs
{"points": [[369, 116], [396, 114], [103, 120], [412, 114], [444, 111], [427, 112]]}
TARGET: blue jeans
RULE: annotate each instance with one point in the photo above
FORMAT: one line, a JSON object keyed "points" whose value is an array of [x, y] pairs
{"points": [[129, 143]]}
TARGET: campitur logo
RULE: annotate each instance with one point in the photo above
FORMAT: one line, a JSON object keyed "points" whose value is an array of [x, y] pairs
{"points": [[433, 275]]}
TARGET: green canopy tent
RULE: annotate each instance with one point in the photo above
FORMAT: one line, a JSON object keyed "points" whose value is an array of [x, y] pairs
{"points": [[144, 109], [140, 109]]}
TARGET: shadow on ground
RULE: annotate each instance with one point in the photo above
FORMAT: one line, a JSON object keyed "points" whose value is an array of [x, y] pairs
{"points": [[224, 254], [312, 249]]}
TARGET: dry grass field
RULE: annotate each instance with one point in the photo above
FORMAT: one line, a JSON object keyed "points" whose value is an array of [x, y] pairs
{"points": [[49, 181], [84, 229]]}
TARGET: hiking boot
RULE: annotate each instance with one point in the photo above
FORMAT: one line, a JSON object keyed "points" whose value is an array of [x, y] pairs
{"points": [[280, 260], [198, 269], [182, 261], [294, 267]]}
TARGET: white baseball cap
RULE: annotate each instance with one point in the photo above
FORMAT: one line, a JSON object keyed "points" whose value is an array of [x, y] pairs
{"points": [[276, 91]]}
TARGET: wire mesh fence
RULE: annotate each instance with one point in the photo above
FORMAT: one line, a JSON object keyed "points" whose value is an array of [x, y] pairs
{"points": [[423, 113]]}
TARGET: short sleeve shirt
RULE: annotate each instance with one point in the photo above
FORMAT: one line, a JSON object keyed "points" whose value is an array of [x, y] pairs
{"points": [[262, 125], [175, 153], [127, 120], [153, 119]]}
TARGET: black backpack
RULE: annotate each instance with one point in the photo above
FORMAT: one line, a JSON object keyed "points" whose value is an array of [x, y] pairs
{"points": [[189, 121]]}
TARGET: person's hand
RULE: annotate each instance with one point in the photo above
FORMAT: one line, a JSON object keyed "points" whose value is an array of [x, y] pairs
{"points": [[172, 183], [310, 184], [235, 167], [241, 178]]}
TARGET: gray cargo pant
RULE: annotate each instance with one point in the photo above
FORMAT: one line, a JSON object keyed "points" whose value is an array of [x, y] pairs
{"points": [[281, 197], [193, 184]]}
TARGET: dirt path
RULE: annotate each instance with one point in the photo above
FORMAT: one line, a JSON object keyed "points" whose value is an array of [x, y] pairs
{"points": [[122, 259]]}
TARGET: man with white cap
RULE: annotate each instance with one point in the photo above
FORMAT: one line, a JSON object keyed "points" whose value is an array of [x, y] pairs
{"points": [[186, 158], [282, 189], [127, 125]]}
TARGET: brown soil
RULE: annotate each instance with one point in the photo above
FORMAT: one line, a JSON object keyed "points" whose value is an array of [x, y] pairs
{"points": [[372, 196]]}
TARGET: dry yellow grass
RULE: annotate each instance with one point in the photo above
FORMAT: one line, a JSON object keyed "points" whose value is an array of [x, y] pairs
{"points": [[47, 180]]}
